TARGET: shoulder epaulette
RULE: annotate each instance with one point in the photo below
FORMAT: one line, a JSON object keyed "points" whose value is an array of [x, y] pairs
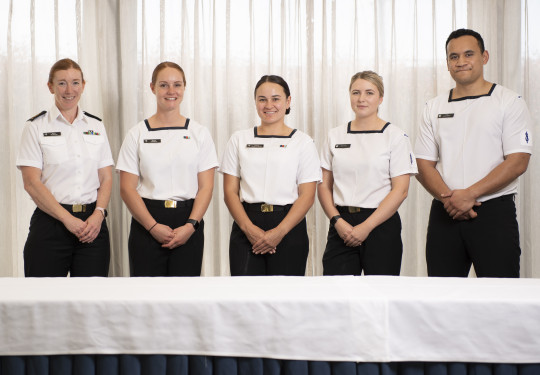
{"points": [[91, 115], [36, 116]]}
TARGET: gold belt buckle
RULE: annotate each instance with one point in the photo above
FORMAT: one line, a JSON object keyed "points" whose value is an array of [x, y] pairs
{"points": [[79, 208], [267, 207], [354, 210], [170, 204]]}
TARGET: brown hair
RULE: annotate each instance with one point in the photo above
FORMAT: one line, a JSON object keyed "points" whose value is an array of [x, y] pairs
{"points": [[167, 64], [64, 64], [369, 76], [274, 79]]}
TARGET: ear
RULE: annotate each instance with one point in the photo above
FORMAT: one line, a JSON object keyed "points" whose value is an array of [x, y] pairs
{"points": [[289, 102], [152, 87], [485, 57], [51, 88], [381, 100]]}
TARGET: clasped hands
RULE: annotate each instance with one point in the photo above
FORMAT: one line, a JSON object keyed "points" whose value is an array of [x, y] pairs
{"points": [[172, 238], [459, 204]]}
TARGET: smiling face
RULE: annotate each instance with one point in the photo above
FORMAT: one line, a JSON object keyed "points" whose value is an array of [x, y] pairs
{"points": [[67, 87], [271, 102], [365, 98], [169, 89], [465, 60]]}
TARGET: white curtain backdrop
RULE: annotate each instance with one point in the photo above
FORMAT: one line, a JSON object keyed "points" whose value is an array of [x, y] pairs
{"points": [[224, 47]]}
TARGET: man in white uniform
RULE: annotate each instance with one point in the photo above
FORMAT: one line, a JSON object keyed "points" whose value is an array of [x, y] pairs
{"points": [[474, 143]]}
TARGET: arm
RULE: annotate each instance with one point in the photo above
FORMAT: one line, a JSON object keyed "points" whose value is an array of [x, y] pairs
{"points": [[231, 190], [46, 202], [103, 195], [135, 204], [272, 237], [462, 200], [432, 181], [387, 208], [325, 192], [205, 181]]}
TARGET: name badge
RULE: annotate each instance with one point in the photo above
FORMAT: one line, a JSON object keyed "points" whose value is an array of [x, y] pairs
{"points": [[343, 145], [152, 141], [445, 115], [52, 134], [254, 145]]}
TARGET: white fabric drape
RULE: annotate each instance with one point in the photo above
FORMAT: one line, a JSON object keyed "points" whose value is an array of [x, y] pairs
{"points": [[224, 48]]}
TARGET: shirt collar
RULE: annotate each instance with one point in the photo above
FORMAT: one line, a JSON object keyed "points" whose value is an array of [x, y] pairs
{"points": [[55, 114]]}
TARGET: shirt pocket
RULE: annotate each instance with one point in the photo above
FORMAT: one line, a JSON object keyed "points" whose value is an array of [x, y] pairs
{"points": [[93, 143], [54, 150]]}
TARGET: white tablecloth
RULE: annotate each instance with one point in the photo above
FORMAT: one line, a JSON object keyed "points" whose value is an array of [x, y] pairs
{"points": [[373, 319]]}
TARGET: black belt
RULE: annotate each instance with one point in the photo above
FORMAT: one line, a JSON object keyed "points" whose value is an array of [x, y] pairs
{"points": [[502, 198], [79, 207], [168, 203], [353, 210], [264, 207]]}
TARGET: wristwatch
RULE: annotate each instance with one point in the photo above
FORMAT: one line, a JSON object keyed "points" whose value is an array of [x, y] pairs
{"points": [[334, 220], [193, 222], [103, 211]]}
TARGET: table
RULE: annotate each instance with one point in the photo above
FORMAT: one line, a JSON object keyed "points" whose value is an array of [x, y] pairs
{"points": [[350, 319]]}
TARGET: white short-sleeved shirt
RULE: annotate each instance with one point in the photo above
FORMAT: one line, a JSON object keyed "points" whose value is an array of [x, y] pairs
{"points": [[468, 137], [69, 155], [270, 168], [167, 160], [364, 162]]}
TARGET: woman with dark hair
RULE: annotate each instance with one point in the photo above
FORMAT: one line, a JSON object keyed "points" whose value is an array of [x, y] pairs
{"points": [[270, 174], [367, 165], [166, 166], [66, 165]]}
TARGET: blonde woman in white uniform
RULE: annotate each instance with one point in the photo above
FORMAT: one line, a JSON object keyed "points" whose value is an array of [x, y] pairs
{"points": [[166, 166], [366, 170], [269, 176]]}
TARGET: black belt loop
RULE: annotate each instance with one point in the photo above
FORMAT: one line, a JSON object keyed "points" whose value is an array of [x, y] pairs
{"points": [[167, 203]]}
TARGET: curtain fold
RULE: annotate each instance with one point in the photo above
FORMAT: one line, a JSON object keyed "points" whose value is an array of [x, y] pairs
{"points": [[224, 48]]}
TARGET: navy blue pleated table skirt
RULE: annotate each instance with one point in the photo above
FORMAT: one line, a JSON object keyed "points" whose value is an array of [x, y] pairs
{"points": [[203, 365]]}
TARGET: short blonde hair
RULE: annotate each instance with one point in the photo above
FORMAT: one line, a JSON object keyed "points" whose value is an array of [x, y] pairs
{"points": [[369, 76]]}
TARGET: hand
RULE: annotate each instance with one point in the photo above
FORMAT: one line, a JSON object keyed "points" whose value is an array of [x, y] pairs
{"points": [[268, 242], [253, 233], [343, 228], [358, 235], [180, 236], [93, 226], [459, 204], [162, 233], [75, 225]]}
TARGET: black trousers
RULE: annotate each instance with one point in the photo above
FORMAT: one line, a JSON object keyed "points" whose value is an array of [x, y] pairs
{"points": [[290, 258], [148, 258], [53, 251], [379, 254], [490, 241]]}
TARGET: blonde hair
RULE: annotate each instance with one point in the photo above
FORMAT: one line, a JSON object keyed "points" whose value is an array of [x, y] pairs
{"points": [[369, 76]]}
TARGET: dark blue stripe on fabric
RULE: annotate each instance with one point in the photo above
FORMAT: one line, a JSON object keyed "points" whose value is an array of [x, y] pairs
{"points": [[177, 365], [225, 366], [37, 365], [84, 365], [13, 365], [411, 368], [107, 364], [319, 368], [200, 365], [129, 365], [60, 364]]}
